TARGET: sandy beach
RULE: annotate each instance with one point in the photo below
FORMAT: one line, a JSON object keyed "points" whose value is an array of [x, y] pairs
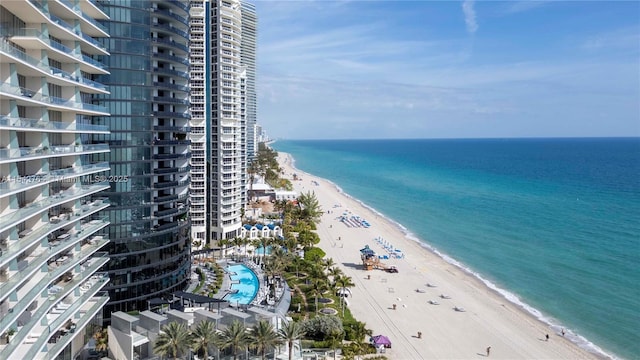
{"points": [[488, 319]]}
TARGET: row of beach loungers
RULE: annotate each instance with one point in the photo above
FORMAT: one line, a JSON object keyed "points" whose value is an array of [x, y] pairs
{"points": [[393, 253], [354, 221]]}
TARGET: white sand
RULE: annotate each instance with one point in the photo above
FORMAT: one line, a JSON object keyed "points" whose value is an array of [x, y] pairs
{"points": [[488, 320]]}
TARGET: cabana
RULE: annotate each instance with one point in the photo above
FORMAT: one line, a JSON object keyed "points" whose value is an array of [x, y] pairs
{"points": [[381, 340]]}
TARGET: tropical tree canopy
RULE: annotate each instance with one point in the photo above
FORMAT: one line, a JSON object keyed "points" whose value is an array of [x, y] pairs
{"points": [[173, 341], [203, 337], [235, 337], [291, 332], [263, 338], [310, 209], [320, 327]]}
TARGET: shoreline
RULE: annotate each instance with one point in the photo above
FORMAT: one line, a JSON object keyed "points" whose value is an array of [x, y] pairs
{"points": [[424, 256]]}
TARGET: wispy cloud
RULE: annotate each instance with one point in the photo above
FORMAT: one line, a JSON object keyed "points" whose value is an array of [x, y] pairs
{"points": [[514, 7], [470, 16], [624, 38]]}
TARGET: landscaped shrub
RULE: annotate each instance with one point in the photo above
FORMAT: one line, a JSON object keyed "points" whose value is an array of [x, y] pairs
{"points": [[314, 254], [321, 326]]}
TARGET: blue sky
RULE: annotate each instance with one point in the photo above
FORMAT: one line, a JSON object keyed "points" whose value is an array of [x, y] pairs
{"points": [[448, 69]]}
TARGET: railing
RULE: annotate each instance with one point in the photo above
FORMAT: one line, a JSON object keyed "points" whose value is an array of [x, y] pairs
{"points": [[25, 123], [181, 60], [38, 206], [27, 93], [171, 86], [171, 15], [65, 25], [172, 29], [182, 74], [23, 182], [7, 154], [171, 43]]}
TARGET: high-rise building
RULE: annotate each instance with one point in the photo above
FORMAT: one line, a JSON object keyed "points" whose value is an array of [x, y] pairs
{"points": [[149, 123], [217, 189], [53, 177], [248, 49]]}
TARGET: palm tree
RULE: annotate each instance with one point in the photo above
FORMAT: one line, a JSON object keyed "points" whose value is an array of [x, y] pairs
{"points": [[235, 337], [291, 332], [102, 340], [263, 337], [203, 337], [173, 340], [334, 272], [318, 287], [360, 331], [223, 246], [309, 207], [335, 339], [328, 263], [343, 285]]}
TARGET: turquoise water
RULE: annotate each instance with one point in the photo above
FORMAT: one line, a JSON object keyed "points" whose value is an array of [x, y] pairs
{"points": [[247, 288], [261, 251], [553, 223]]}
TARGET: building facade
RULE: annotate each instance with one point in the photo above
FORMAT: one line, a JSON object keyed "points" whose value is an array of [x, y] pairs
{"points": [[149, 142], [248, 57], [52, 227], [218, 141]]}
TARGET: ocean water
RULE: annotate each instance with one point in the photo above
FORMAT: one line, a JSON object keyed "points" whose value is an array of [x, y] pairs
{"points": [[554, 224]]}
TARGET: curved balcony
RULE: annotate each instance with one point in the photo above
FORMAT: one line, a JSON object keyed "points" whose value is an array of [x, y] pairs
{"points": [[19, 215], [171, 142], [170, 43], [28, 96], [172, 170], [26, 153], [171, 114], [171, 30], [180, 74], [22, 183], [52, 72], [166, 85], [45, 332], [171, 156], [170, 100], [36, 291], [170, 15], [17, 123], [170, 184], [176, 59], [178, 129]]}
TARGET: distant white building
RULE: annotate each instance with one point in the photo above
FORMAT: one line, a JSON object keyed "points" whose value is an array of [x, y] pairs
{"points": [[285, 195], [261, 231]]}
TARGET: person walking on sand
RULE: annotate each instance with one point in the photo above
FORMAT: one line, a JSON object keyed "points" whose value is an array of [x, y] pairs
{"points": [[546, 337], [488, 351]]}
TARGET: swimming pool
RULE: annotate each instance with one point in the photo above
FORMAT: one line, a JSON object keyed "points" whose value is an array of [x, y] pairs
{"points": [[246, 289]]}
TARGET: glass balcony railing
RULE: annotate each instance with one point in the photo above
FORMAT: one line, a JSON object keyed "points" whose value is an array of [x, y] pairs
{"points": [[96, 305], [28, 93], [66, 25], [34, 293], [24, 182], [35, 207], [39, 125], [44, 332], [8, 154], [171, 15]]}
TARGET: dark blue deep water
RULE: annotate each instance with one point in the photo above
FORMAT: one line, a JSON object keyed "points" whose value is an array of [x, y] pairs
{"points": [[554, 223]]}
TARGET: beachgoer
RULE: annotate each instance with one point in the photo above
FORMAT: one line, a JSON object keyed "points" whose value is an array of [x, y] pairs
{"points": [[488, 351], [547, 337], [563, 332], [394, 306], [419, 335]]}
